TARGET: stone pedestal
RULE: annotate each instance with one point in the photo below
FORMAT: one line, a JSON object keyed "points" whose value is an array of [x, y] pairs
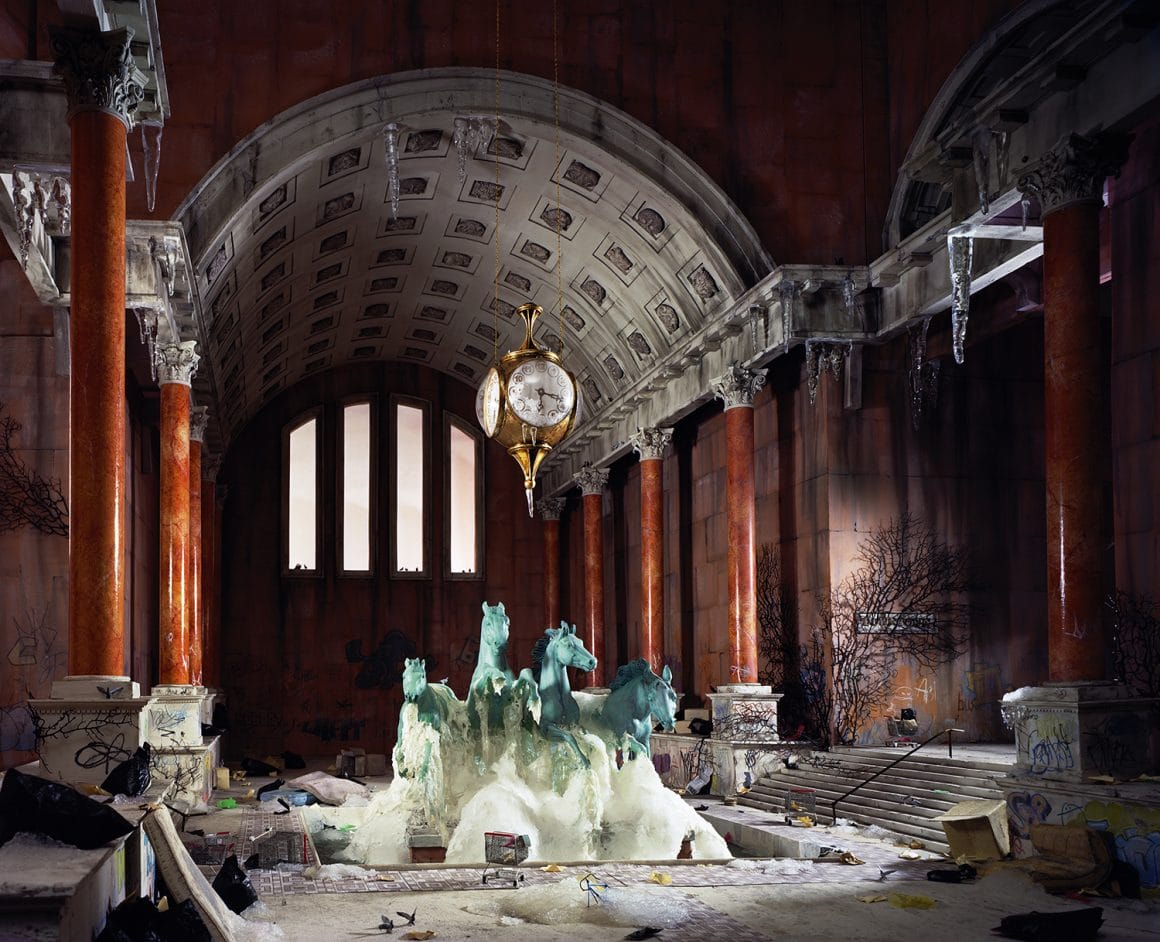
{"points": [[191, 768], [92, 724], [1072, 732], [175, 716], [744, 713]]}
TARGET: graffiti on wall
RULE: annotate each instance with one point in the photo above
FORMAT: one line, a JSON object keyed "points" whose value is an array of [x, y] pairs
{"points": [[1135, 828], [383, 667]]}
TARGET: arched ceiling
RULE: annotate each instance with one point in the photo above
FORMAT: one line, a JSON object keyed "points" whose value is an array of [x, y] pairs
{"points": [[302, 265]]}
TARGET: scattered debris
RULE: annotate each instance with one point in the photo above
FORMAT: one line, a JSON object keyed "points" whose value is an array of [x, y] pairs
{"points": [[1075, 925], [872, 899], [225, 804], [590, 886], [31, 803], [910, 855], [130, 777], [912, 901], [234, 886], [552, 868], [644, 932], [419, 934], [662, 879]]}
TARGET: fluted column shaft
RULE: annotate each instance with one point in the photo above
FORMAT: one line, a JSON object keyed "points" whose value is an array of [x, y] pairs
{"points": [[194, 594], [550, 509], [737, 389], [1069, 185], [592, 483], [650, 444], [103, 89], [176, 363]]}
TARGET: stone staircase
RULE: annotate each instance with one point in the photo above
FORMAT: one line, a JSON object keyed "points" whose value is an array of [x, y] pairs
{"points": [[904, 800]]}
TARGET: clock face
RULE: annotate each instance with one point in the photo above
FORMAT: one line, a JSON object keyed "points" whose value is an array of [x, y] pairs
{"points": [[489, 402], [541, 393]]}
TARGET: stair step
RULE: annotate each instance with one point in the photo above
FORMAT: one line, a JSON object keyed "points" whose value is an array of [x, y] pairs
{"points": [[785, 781], [924, 758]]}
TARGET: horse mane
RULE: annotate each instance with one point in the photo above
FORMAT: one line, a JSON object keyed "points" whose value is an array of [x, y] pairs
{"points": [[627, 673], [539, 649]]}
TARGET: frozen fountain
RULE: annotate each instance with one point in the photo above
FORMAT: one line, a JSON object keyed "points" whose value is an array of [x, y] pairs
{"points": [[525, 754]]}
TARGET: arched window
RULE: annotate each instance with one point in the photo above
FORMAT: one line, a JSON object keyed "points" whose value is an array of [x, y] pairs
{"points": [[410, 486], [463, 487], [301, 446], [356, 494]]}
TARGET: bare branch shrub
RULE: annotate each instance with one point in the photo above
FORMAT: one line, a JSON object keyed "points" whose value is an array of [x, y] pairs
{"points": [[27, 498], [903, 600]]}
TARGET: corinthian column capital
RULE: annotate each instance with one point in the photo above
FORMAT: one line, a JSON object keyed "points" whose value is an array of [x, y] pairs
{"points": [[98, 71], [176, 362], [591, 480], [550, 508], [650, 443], [1075, 170], [198, 421], [737, 386]]}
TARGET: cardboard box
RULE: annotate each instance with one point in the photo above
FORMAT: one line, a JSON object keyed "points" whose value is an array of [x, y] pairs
{"points": [[977, 829]]}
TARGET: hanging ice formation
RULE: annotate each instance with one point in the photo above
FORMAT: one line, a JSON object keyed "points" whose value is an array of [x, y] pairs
{"points": [[922, 377], [960, 251], [823, 355], [469, 134], [151, 146], [787, 290], [391, 144], [506, 760]]}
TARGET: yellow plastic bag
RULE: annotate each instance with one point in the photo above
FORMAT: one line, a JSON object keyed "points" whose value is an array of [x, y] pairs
{"points": [[661, 879]]}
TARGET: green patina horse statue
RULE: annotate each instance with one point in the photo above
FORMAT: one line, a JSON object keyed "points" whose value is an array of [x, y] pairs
{"points": [[637, 698], [553, 654], [493, 682]]}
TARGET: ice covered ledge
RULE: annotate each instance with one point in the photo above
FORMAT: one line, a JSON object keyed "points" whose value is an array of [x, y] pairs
{"points": [[1071, 732]]}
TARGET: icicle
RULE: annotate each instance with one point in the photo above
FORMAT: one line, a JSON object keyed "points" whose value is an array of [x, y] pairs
{"points": [[147, 325], [919, 372], [459, 139], [61, 196], [151, 147], [1002, 155], [787, 290], [391, 140], [1025, 203], [981, 157], [22, 205], [812, 369], [960, 250], [850, 295]]}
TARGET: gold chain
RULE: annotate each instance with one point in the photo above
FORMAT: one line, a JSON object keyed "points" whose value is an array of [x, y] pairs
{"points": [[495, 144], [559, 209]]}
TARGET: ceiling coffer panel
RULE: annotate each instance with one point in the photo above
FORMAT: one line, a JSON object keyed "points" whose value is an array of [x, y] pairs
{"points": [[316, 268]]}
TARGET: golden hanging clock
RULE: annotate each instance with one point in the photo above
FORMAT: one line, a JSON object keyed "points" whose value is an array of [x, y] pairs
{"points": [[528, 402]]}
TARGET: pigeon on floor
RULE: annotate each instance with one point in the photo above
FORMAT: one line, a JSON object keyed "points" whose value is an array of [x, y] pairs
{"points": [[884, 872], [386, 925], [410, 917], [645, 932]]}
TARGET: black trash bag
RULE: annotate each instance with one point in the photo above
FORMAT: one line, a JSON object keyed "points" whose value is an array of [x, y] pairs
{"points": [[964, 872], [700, 727], [135, 920], [132, 776], [234, 887], [1075, 925], [293, 760], [258, 767], [270, 786], [221, 717], [183, 923], [30, 803]]}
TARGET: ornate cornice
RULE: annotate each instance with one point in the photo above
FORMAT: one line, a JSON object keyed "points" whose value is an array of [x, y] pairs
{"points": [[98, 71], [738, 386], [198, 421], [176, 362], [550, 507], [591, 480], [1075, 170], [650, 443]]}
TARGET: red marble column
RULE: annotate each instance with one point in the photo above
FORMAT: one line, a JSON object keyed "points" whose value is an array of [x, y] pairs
{"points": [[103, 89], [737, 389], [1069, 185], [175, 365], [650, 444], [193, 595], [550, 509], [592, 483]]}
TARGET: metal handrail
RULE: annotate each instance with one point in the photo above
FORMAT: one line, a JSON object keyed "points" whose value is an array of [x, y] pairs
{"points": [[887, 768]]}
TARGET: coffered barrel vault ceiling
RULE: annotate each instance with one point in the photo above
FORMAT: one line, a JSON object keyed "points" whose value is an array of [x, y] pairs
{"points": [[302, 265]]}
